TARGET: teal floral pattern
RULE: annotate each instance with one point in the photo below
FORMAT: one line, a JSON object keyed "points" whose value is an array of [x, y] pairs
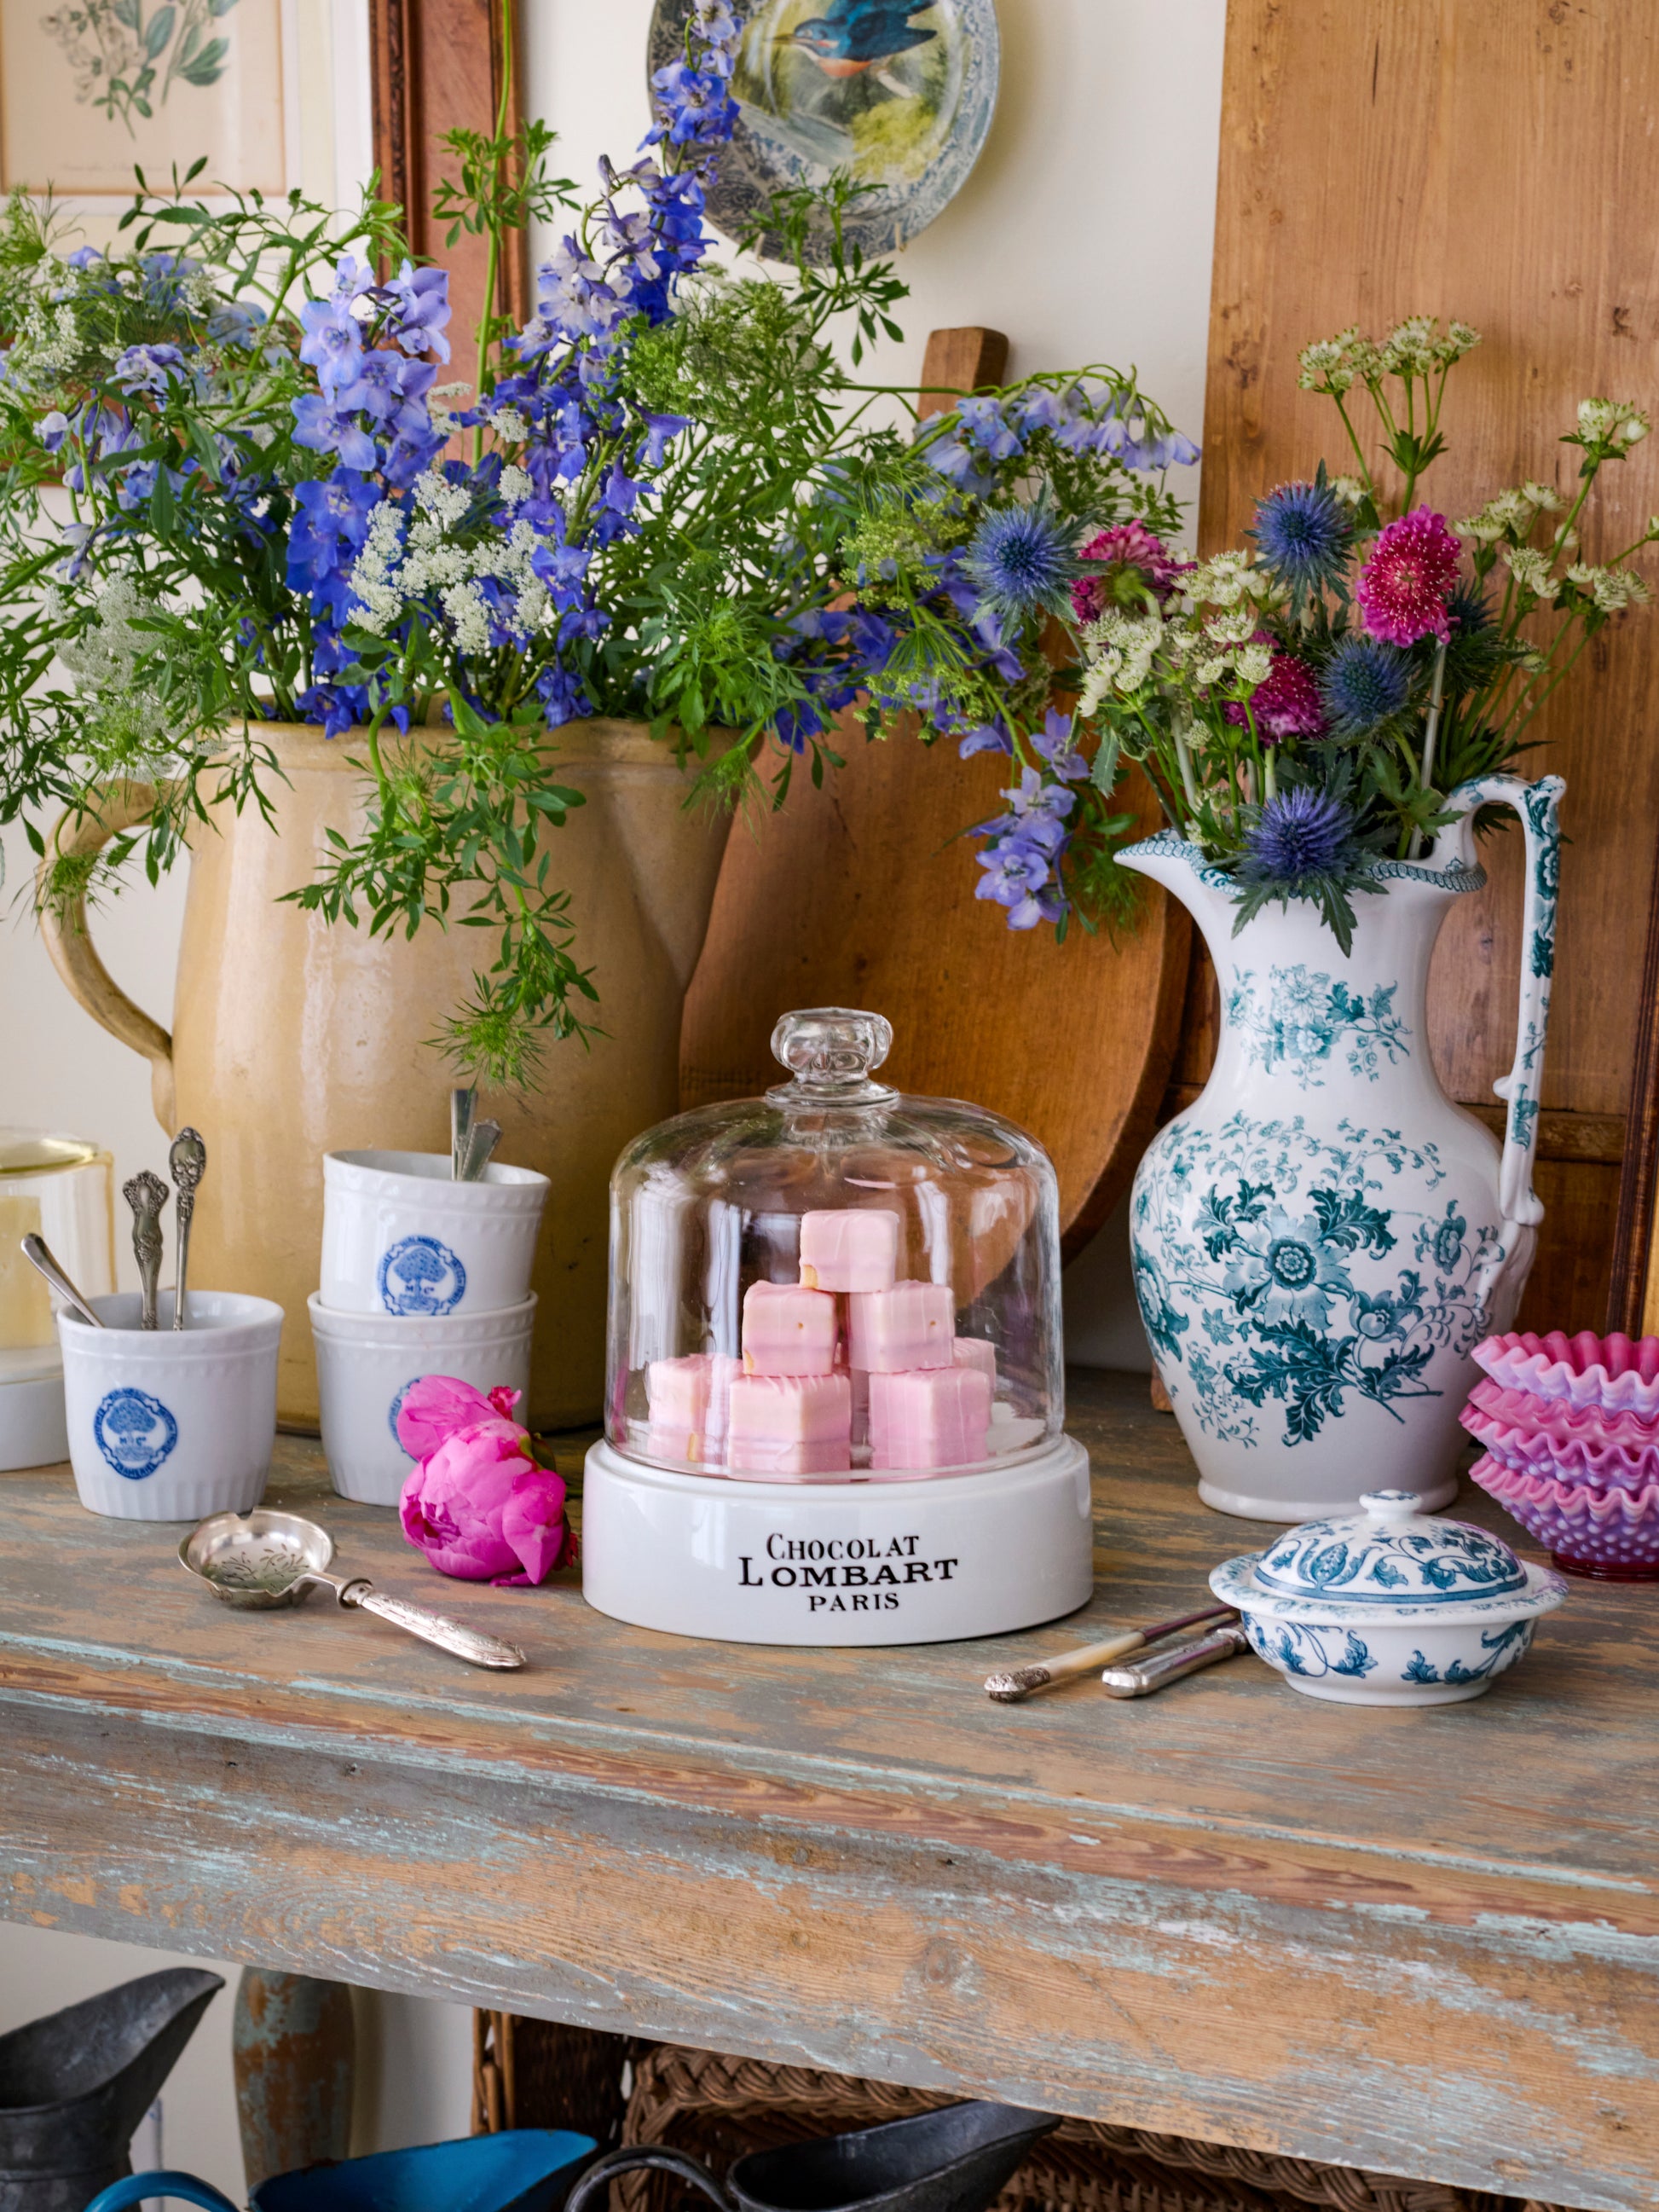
{"points": [[1294, 1022], [1275, 1264], [1313, 1652]]}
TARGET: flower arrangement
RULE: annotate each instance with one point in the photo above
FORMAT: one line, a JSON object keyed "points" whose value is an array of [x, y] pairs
{"points": [[478, 1503], [237, 492], [1304, 706]]}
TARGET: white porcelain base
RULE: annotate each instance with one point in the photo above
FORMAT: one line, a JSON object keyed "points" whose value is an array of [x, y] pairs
{"points": [[838, 1563], [1244, 1507], [33, 1427]]}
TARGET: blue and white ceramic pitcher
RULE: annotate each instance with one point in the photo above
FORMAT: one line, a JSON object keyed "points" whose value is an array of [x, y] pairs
{"points": [[1322, 1238]]}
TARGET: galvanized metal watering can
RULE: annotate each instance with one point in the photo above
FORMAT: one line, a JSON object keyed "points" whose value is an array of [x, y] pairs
{"points": [[952, 2160], [523, 2170], [73, 2087]]}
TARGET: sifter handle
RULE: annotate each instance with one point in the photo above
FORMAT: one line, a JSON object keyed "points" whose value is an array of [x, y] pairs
{"points": [[469, 1644]]}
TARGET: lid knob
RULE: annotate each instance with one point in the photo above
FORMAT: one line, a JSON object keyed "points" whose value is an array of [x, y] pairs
{"points": [[1386, 1507], [832, 1049]]}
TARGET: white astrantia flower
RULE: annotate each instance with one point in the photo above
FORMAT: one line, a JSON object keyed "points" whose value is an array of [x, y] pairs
{"points": [[1348, 489], [1540, 496], [1234, 627], [1254, 662], [1529, 567]]}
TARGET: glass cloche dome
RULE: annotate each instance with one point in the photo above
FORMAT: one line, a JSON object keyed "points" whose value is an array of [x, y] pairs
{"points": [[835, 1282]]}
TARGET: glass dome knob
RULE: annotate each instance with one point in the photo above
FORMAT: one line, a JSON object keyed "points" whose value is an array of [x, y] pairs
{"points": [[832, 1049]]}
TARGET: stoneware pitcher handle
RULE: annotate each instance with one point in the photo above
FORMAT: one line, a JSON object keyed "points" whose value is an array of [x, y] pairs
{"points": [[1538, 804], [657, 2158], [120, 806]]}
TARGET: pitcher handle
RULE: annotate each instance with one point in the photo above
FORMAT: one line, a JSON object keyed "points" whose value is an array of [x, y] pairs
{"points": [[133, 2188], [118, 807], [661, 2159], [1538, 805]]}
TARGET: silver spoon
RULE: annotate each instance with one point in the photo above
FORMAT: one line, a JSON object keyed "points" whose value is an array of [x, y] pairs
{"points": [[485, 1136], [146, 1193], [38, 1253], [187, 1164], [255, 1561], [463, 1105]]}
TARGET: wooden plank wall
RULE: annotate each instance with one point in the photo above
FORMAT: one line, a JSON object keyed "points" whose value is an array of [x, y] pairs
{"points": [[1496, 160]]}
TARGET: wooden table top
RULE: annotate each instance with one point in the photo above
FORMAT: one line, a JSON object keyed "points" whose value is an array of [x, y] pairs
{"points": [[1422, 1943]]}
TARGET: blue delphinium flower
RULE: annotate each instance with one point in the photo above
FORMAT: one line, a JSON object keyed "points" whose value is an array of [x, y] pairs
{"points": [[1305, 533], [1364, 683], [1019, 876], [1299, 835], [1021, 563]]}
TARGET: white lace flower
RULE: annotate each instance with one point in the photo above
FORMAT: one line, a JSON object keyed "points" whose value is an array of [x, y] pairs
{"points": [[463, 603], [516, 485]]}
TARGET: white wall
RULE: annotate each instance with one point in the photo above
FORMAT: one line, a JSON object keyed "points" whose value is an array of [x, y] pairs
{"points": [[1085, 233]]}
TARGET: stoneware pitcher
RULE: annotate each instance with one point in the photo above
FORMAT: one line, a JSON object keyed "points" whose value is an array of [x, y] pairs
{"points": [[1320, 1239], [292, 1038]]}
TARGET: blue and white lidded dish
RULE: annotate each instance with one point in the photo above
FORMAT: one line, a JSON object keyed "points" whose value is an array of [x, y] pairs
{"points": [[1390, 1606]]}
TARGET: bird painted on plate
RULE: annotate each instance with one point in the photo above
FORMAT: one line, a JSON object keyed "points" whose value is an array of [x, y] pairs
{"points": [[852, 36]]}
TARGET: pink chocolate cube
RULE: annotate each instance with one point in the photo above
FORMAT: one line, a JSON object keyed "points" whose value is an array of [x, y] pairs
{"points": [[853, 1248], [783, 1426], [723, 1371], [974, 1351], [787, 1330], [676, 1391], [926, 1420], [912, 1325]]}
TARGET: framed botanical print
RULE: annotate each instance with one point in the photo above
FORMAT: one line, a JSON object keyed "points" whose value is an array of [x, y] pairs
{"points": [[89, 88]]}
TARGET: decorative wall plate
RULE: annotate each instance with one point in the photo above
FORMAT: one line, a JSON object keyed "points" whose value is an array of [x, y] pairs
{"points": [[900, 97]]}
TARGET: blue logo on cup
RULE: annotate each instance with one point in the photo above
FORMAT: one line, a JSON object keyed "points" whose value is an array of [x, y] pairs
{"points": [[135, 1432], [419, 1275], [392, 1411]]}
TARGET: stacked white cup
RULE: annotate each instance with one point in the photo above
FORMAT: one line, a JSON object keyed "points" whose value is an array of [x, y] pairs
{"points": [[421, 1275]]}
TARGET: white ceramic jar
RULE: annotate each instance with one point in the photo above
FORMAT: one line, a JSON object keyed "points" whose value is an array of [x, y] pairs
{"points": [[366, 1363], [168, 1425], [401, 1238], [1391, 1607]]}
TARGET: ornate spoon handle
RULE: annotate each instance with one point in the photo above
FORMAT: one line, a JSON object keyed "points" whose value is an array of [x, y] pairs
{"points": [[468, 1644], [146, 1193]]}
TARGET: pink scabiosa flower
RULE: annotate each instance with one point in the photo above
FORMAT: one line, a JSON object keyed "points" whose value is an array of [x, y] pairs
{"points": [[1286, 703], [1404, 588], [1133, 562]]}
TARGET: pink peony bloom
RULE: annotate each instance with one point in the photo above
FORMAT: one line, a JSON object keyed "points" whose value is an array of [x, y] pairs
{"points": [[1403, 589], [437, 1405], [480, 1507], [1135, 560], [1286, 703]]}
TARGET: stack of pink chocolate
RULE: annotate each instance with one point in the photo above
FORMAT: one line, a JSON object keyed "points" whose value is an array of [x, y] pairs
{"points": [[847, 1357]]}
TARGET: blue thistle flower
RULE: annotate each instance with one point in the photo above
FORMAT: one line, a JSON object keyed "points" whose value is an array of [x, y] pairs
{"points": [[1298, 835], [1305, 534], [1021, 563], [1365, 683]]}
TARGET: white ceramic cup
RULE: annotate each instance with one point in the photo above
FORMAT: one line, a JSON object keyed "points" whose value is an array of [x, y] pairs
{"points": [[401, 1238], [366, 1363], [168, 1425]]}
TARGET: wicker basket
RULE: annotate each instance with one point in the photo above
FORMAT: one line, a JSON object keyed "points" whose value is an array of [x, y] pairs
{"points": [[535, 2073]]}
